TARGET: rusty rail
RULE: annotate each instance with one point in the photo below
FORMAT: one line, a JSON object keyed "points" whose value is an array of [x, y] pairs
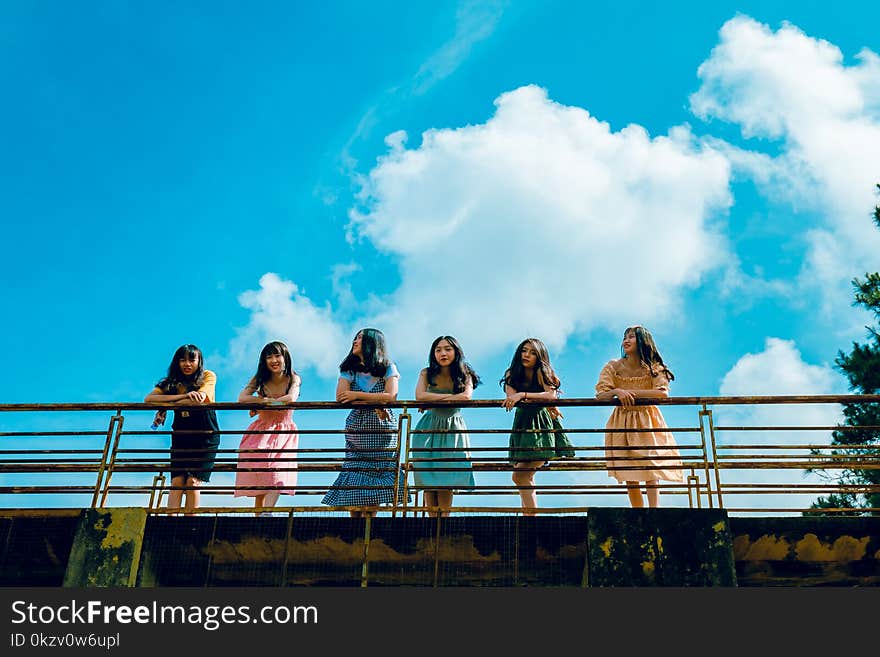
{"points": [[720, 470]]}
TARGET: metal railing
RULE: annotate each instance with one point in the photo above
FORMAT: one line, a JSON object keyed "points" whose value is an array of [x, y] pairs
{"points": [[765, 464]]}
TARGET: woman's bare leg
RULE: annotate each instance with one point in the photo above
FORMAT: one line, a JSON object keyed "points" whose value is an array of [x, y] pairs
{"points": [[192, 494], [441, 499], [634, 490], [431, 501], [653, 493], [524, 479], [175, 495], [444, 501]]}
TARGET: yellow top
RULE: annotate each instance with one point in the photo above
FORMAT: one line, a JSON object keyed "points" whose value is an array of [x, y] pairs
{"points": [[209, 383]]}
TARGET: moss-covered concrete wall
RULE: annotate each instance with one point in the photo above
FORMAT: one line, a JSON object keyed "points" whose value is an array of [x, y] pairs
{"points": [[35, 547], [106, 548], [607, 547], [823, 551], [659, 547]]}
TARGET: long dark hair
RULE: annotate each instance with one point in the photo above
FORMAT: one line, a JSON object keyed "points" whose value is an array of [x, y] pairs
{"points": [[515, 376], [264, 375], [175, 377], [647, 350], [459, 370], [375, 360]]}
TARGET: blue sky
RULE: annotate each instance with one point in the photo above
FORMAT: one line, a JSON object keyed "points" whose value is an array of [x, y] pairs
{"points": [[228, 174]]}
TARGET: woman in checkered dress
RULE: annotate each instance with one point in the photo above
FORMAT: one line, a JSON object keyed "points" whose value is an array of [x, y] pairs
{"points": [[370, 469]]}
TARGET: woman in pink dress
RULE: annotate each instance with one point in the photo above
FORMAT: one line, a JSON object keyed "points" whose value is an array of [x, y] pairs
{"points": [[266, 463]]}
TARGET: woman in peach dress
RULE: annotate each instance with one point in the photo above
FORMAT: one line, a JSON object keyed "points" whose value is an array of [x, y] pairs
{"points": [[648, 455]]}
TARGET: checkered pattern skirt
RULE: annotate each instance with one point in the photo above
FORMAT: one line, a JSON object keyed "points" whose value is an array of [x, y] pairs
{"points": [[370, 466]]}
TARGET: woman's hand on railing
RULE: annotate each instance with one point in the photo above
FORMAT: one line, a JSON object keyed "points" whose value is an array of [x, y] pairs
{"points": [[347, 396], [512, 400]]}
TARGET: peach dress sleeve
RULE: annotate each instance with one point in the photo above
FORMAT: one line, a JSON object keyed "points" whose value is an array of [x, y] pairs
{"points": [[660, 381], [606, 379]]}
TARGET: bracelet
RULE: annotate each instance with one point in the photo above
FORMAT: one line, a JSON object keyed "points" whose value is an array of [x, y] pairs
{"points": [[525, 395]]}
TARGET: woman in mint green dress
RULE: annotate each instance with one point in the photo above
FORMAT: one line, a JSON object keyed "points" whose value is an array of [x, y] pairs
{"points": [[440, 444]]}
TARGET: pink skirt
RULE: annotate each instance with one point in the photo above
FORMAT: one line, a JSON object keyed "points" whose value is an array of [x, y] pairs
{"points": [[263, 459]]}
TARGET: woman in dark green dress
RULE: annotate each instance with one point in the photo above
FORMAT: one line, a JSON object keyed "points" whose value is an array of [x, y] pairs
{"points": [[537, 435]]}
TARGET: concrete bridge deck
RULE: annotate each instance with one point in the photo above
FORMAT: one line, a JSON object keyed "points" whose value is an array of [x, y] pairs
{"points": [[605, 547]]}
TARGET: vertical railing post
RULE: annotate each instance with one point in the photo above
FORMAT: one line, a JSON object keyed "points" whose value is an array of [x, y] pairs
{"points": [[693, 490], [210, 567], [157, 486], [102, 467], [287, 538], [403, 427], [118, 433], [689, 487], [437, 534], [365, 569], [706, 421], [715, 460]]}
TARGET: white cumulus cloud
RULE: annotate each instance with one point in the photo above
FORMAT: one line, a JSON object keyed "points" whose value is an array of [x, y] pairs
{"points": [[797, 90], [540, 221], [280, 312], [778, 370]]}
